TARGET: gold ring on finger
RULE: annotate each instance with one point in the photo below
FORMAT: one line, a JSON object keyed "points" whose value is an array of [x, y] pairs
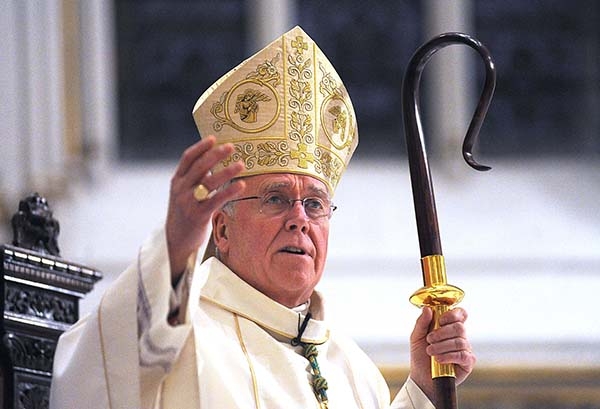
{"points": [[201, 193]]}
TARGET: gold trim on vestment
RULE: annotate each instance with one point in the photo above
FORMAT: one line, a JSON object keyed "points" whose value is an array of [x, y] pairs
{"points": [[102, 349], [238, 331], [263, 325]]}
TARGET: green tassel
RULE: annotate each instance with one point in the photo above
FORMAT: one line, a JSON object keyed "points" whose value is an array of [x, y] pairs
{"points": [[319, 383]]}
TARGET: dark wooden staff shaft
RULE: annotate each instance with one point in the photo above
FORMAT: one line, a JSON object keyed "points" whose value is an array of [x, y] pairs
{"points": [[423, 196]]}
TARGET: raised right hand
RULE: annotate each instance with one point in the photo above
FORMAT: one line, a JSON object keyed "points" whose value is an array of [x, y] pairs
{"points": [[188, 220]]}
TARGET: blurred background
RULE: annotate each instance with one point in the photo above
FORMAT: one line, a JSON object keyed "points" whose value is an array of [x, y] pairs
{"points": [[96, 109]]}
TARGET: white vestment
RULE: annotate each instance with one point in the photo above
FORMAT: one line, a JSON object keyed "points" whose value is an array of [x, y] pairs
{"points": [[232, 349]]}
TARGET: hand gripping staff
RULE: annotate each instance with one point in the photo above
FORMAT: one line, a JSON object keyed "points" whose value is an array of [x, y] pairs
{"points": [[436, 292]]}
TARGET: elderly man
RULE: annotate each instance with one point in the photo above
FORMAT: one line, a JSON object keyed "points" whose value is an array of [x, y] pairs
{"points": [[245, 327]]}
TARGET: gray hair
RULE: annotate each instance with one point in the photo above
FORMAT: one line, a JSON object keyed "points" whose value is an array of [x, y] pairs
{"points": [[228, 207]]}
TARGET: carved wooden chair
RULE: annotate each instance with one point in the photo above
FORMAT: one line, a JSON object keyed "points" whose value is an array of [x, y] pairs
{"points": [[40, 300]]}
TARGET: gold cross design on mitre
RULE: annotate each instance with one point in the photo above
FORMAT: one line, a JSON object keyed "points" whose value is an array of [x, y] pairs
{"points": [[302, 155], [299, 45]]}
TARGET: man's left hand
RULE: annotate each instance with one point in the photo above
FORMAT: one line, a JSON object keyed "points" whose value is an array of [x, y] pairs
{"points": [[448, 344]]}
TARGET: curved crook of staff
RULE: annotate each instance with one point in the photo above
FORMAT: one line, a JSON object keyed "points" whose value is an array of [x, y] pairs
{"points": [[436, 292]]}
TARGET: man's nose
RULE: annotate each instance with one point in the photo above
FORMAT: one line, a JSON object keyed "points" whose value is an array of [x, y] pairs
{"points": [[297, 217]]}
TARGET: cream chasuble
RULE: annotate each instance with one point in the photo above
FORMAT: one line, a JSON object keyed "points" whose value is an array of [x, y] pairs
{"points": [[232, 351]]}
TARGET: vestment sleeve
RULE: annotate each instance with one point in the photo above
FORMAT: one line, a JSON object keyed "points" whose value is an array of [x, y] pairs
{"points": [[411, 396], [117, 356]]}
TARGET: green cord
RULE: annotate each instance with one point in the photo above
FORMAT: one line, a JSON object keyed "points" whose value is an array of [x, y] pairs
{"points": [[319, 383]]}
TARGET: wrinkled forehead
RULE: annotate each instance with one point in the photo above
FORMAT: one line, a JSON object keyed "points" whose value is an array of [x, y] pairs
{"points": [[306, 185]]}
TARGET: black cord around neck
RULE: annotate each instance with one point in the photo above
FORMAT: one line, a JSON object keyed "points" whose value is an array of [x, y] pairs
{"points": [[301, 327]]}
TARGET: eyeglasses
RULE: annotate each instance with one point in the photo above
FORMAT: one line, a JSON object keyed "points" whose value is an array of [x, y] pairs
{"points": [[275, 204]]}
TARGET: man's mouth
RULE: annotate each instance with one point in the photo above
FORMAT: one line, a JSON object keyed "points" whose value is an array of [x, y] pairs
{"points": [[293, 250]]}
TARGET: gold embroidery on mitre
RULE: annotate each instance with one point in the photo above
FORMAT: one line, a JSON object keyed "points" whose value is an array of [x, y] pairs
{"points": [[245, 98], [284, 110], [300, 102], [336, 116]]}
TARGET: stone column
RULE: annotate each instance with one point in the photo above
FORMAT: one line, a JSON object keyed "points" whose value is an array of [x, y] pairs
{"points": [[451, 89]]}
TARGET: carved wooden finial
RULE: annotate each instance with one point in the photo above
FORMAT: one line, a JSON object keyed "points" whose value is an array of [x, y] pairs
{"points": [[34, 227]]}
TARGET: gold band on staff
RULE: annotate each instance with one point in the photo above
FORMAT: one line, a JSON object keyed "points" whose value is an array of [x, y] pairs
{"points": [[440, 297]]}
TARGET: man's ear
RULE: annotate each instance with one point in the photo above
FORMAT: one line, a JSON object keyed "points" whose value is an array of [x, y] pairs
{"points": [[220, 231]]}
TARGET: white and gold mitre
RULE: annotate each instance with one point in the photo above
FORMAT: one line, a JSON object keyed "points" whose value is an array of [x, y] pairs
{"points": [[285, 109]]}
